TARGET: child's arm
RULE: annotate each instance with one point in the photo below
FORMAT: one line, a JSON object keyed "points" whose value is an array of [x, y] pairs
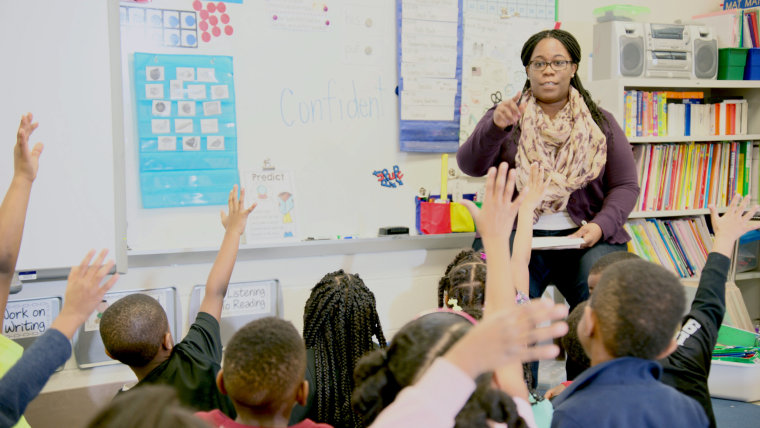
{"points": [[732, 225], [710, 298], [13, 208], [534, 194], [219, 277], [21, 384], [84, 292], [494, 222]]}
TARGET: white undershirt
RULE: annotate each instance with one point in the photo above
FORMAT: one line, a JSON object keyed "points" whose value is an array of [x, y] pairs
{"points": [[555, 221]]}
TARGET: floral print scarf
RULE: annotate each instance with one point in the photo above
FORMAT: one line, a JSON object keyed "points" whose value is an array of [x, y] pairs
{"points": [[571, 148]]}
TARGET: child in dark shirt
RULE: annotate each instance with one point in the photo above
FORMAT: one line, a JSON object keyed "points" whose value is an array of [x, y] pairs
{"points": [[263, 374], [135, 329]]}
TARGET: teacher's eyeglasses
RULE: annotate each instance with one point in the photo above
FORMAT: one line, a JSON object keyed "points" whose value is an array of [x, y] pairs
{"points": [[557, 65]]}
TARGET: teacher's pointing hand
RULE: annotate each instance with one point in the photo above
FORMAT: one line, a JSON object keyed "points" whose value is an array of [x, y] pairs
{"points": [[508, 112]]}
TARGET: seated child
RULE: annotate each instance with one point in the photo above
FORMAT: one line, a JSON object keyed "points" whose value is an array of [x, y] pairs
{"points": [[438, 394], [688, 367], [24, 381], [577, 361], [463, 283], [154, 406], [339, 322], [629, 323], [600, 265], [135, 330], [381, 376], [263, 374], [464, 279], [12, 218]]}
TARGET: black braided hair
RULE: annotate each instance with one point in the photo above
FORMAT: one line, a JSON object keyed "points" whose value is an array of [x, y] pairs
{"points": [[382, 374], [465, 280], [339, 321], [574, 49]]}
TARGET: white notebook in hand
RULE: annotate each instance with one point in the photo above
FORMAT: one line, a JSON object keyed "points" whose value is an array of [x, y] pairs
{"points": [[556, 242]]}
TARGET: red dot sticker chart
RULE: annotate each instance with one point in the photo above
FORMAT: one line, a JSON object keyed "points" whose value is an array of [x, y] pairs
{"points": [[160, 27], [187, 129], [299, 15], [214, 20]]}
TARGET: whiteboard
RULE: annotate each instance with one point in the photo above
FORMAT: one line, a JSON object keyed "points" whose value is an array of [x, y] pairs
{"points": [[318, 100], [57, 65]]}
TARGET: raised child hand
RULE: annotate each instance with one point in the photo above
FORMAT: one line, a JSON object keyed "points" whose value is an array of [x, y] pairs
{"points": [[534, 192], [733, 224], [238, 214], [84, 292], [25, 162], [510, 336], [498, 212]]}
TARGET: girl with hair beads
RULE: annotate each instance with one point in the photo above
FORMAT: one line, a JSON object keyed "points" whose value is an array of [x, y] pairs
{"points": [[339, 322], [463, 283], [465, 277], [381, 375]]}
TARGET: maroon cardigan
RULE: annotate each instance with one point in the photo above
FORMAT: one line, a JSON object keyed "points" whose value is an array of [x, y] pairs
{"points": [[606, 200]]}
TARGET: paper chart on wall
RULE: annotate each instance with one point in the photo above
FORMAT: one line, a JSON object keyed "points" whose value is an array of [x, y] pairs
{"points": [[275, 217], [540, 9], [187, 129], [429, 37], [491, 67]]}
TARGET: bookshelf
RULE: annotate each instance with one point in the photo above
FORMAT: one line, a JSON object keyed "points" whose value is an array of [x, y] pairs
{"points": [[609, 94]]}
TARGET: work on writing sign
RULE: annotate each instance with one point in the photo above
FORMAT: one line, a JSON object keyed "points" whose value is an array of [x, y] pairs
{"points": [[29, 318], [276, 215]]}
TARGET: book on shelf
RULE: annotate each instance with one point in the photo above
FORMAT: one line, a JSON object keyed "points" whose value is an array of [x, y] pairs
{"points": [[679, 245], [694, 175], [682, 113]]}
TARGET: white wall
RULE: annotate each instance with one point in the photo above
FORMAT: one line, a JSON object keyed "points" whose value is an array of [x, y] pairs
{"points": [[404, 282]]}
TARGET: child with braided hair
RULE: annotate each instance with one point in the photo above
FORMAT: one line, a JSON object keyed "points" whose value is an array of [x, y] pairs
{"points": [[465, 278], [415, 350], [340, 325], [463, 283]]}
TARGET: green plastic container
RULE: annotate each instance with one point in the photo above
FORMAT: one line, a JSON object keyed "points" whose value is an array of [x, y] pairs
{"points": [[731, 63]]}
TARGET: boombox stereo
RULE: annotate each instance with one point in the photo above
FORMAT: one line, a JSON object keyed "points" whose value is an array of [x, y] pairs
{"points": [[637, 49]]}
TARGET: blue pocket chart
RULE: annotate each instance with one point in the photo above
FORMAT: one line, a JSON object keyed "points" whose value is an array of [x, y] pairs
{"points": [[187, 129]]}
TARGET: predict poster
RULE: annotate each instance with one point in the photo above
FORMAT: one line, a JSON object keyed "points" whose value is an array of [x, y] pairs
{"points": [[187, 129], [276, 215]]}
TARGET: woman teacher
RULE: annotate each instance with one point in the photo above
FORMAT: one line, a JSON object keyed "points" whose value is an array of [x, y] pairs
{"points": [[588, 162]]}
